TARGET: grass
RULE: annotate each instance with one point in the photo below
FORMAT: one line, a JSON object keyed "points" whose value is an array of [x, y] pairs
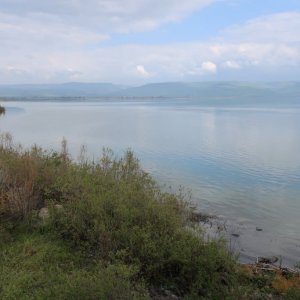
{"points": [[111, 233], [36, 267]]}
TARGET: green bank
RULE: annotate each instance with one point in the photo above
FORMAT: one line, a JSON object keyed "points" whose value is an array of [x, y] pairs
{"points": [[104, 229]]}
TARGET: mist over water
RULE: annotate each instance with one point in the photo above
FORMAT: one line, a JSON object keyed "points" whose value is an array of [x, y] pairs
{"points": [[240, 162]]}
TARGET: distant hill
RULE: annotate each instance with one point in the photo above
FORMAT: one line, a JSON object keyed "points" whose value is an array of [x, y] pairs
{"points": [[214, 89], [71, 89], [201, 90]]}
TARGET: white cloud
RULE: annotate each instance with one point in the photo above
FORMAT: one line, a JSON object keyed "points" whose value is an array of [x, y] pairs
{"points": [[50, 41], [209, 67], [275, 28], [22, 32], [45, 39], [104, 15], [142, 71], [231, 64]]}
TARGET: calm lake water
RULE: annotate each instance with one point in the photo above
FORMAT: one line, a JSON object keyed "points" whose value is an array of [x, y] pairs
{"points": [[241, 163]]}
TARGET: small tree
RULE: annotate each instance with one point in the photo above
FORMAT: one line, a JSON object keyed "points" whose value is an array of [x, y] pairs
{"points": [[2, 110]]}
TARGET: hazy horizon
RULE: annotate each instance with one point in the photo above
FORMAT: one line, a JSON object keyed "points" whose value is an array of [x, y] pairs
{"points": [[205, 90], [153, 82]]}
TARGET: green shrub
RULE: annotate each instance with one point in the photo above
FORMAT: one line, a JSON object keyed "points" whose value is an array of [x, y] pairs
{"points": [[37, 267], [115, 217], [2, 110], [292, 294]]}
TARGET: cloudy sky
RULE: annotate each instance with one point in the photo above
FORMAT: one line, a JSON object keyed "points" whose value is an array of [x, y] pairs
{"points": [[140, 41]]}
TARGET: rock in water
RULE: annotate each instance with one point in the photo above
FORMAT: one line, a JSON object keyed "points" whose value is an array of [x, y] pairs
{"points": [[268, 260]]}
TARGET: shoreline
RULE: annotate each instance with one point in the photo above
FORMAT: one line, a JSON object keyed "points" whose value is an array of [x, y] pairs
{"points": [[248, 241]]}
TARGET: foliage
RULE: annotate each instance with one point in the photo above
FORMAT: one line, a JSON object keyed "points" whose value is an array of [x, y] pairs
{"points": [[112, 233], [36, 267], [2, 110], [257, 282], [113, 214]]}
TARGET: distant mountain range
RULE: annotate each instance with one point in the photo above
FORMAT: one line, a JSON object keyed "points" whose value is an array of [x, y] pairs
{"points": [[166, 89], [71, 89]]}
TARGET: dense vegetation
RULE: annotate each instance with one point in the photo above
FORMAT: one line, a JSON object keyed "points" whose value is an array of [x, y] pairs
{"points": [[105, 230]]}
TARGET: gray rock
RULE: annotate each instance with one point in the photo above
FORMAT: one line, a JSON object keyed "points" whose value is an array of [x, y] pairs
{"points": [[235, 234], [268, 260], [58, 206], [44, 214], [163, 294]]}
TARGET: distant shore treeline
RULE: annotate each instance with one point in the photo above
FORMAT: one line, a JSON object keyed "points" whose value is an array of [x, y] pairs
{"points": [[224, 90]]}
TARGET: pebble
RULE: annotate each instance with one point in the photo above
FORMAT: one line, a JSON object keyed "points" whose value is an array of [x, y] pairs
{"points": [[235, 234]]}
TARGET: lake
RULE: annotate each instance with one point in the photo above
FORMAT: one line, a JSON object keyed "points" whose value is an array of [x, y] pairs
{"points": [[241, 163]]}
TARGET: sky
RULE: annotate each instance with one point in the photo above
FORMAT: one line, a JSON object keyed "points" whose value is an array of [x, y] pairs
{"points": [[134, 42]]}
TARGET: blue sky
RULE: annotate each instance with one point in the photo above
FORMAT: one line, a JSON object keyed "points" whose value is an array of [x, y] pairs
{"points": [[140, 41]]}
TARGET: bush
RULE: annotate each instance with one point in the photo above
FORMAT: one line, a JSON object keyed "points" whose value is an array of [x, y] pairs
{"points": [[115, 217], [38, 268], [2, 110]]}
